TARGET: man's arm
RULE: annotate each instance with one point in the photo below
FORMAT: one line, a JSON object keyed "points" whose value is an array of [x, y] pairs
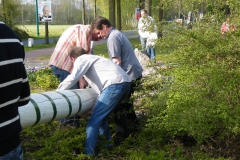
{"points": [[82, 83], [80, 67], [25, 92], [117, 60]]}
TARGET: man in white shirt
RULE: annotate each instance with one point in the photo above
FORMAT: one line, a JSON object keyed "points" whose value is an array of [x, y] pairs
{"points": [[109, 80], [146, 24], [121, 52]]}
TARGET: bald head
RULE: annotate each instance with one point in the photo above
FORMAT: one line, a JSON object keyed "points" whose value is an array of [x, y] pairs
{"points": [[46, 10]]}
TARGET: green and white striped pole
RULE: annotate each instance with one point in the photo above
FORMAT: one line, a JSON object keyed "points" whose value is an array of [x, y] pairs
{"points": [[49, 106]]}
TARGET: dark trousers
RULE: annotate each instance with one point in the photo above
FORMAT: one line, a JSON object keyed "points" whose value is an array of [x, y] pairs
{"points": [[125, 110]]}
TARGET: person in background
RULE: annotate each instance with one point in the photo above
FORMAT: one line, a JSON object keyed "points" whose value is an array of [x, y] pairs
{"points": [[183, 17], [190, 20], [108, 80], [14, 92], [120, 52], [145, 24], [151, 41], [60, 62], [226, 27]]}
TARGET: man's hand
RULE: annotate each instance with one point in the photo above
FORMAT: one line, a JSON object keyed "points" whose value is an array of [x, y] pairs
{"points": [[117, 60], [82, 83]]}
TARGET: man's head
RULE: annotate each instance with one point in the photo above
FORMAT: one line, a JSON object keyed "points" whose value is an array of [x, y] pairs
{"points": [[101, 27], [144, 13], [76, 52], [46, 10], [95, 36]]}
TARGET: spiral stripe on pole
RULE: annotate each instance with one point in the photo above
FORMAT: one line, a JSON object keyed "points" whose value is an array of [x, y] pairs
{"points": [[37, 111], [53, 105]]}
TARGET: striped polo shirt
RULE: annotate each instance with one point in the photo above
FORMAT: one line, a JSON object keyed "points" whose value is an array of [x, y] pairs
{"points": [[75, 36], [14, 88]]}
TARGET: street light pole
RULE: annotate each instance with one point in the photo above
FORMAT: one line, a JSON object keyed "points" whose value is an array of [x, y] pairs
{"points": [[37, 18]]}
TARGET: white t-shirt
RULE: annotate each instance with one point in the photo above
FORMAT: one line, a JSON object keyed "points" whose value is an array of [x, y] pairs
{"points": [[144, 24], [151, 38]]}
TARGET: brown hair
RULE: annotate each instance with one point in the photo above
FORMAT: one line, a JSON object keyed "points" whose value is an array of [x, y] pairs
{"points": [[144, 10], [76, 52], [98, 22]]}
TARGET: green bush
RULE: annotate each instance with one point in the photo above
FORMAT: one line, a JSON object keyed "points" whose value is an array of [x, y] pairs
{"points": [[191, 111], [43, 80], [203, 102]]}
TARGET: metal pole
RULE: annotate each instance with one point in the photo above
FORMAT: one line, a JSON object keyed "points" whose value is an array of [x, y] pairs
{"points": [[37, 18]]}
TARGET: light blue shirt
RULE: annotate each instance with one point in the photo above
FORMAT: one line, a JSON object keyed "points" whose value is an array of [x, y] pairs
{"points": [[119, 46]]}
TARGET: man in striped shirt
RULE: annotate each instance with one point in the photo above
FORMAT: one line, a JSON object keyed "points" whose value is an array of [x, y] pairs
{"points": [[14, 92], [60, 62]]}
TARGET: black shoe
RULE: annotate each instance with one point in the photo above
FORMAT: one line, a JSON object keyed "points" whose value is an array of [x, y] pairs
{"points": [[118, 139], [76, 151]]}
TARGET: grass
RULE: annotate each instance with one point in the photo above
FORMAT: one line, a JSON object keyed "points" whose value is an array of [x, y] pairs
{"points": [[38, 46], [53, 30], [56, 31], [100, 49]]}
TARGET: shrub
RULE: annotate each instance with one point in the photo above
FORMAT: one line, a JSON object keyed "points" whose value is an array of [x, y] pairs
{"points": [[203, 102], [43, 80]]}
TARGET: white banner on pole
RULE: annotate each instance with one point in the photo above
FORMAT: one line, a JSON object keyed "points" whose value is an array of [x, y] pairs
{"points": [[44, 11]]}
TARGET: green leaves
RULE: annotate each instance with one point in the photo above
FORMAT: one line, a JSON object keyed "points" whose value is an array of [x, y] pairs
{"points": [[42, 80]]}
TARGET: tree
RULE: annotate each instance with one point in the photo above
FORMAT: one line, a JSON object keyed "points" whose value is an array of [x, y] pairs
{"points": [[10, 10], [119, 22], [83, 12], [95, 9], [160, 11], [141, 4], [112, 12], [148, 5]]}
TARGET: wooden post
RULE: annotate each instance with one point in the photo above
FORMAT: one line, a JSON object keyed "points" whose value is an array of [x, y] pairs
{"points": [[46, 33]]}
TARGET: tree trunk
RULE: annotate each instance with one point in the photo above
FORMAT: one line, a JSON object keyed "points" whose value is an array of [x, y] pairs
{"points": [[46, 33], [95, 9], [83, 12], [141, 4], [112, 12], [148, 5], [119, 22], [160, 34]]}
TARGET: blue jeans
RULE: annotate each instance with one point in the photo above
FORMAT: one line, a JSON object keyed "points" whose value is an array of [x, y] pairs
{"points": [[151, 52], [106, 103], [143, 43], [61, 75], [16, 154]]}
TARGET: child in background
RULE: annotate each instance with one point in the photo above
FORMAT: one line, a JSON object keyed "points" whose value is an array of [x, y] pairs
{"points": [[151, 41]]}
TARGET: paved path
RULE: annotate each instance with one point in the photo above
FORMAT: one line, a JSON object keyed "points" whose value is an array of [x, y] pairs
{"points": [[30, 56]]}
